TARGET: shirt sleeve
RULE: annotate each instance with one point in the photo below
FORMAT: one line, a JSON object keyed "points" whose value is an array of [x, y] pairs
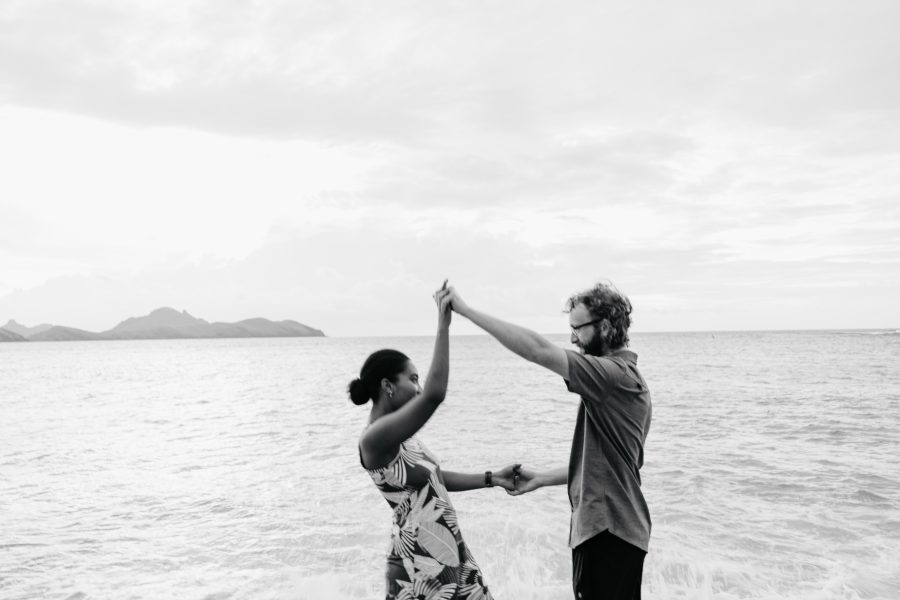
{"points": [[590, 376]]}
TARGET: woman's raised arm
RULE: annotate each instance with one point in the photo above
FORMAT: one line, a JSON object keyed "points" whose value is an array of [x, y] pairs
{"points": [[382, 439]]}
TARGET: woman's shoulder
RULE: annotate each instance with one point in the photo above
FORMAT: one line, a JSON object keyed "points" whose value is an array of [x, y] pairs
{"points": [[410, 444]]}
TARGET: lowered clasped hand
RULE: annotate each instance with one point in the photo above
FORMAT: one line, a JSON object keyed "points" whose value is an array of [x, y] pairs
{"points": [[525, 481], [515, 479]]}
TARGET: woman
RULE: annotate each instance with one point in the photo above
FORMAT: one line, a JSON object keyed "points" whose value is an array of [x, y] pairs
{"points": [[427, 557]]}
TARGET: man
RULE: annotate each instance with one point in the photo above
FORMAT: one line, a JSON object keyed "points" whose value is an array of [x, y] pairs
{"points": [[610, 527]]}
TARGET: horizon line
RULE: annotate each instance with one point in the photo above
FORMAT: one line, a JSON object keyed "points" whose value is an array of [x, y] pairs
{"points": [[656, 332]]}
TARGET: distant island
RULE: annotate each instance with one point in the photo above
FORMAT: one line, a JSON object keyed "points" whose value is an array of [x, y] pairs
{"points": [[161, 324]]}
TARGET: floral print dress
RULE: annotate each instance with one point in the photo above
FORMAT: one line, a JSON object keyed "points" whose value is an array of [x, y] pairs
{"points": [[427, 557]]}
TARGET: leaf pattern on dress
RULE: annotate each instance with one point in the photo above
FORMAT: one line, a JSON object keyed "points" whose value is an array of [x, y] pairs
{"points": [[417, 501], [394, 498], [425, 513], [410, 567], [468, 571], [395, 474], [449, 515], [437, 540], [438, 484], [411, 453], [474, 591], [471, 585], [425, 534], [426, 589], [403, 541], [428, 566]]}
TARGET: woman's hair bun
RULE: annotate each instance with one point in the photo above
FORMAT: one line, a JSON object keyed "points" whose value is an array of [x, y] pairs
{"points": [[381, 364], [357, 392]]}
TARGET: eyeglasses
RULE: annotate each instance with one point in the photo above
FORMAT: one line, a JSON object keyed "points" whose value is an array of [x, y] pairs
{"points": [[575, 328]]}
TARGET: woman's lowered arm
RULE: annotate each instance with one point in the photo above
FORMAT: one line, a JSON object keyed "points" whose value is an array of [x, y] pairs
{"points": [[462, 482]]}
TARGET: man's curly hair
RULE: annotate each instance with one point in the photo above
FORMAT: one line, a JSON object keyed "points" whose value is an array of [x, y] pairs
{"points": [[604, 301]]}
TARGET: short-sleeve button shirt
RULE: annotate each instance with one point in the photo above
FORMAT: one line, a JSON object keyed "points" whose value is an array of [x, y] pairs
{"points": [[608, 448]]}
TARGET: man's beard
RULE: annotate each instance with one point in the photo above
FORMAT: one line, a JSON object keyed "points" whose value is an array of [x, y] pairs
{"points": [[596, 347]]}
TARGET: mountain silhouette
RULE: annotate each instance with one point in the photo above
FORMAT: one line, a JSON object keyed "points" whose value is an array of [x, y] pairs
{"points": [[25, 331], [161, 317], [164, 323], [57, 333], [10, 336]]}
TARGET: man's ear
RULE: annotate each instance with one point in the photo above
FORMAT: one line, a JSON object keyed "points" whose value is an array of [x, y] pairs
{"points": [[605, 329]]}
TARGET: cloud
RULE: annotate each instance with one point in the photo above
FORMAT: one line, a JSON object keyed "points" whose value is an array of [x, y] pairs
{"points": [[434, 74], [226, 67]]}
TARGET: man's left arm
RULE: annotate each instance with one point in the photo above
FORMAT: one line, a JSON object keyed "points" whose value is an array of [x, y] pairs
{"points": [[526, 343]]}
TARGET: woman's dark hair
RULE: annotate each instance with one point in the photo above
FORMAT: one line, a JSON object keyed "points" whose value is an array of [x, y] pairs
{"points": [[381, 364]]}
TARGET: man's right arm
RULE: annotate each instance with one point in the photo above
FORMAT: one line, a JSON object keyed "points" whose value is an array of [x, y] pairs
{"points": [[529, 480]]}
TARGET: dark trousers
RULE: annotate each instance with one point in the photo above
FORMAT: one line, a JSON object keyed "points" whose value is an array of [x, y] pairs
{"points": [[607, 567]]}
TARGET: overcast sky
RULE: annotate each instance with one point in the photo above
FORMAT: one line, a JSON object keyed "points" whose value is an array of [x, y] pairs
{"points": [[728, 165]]}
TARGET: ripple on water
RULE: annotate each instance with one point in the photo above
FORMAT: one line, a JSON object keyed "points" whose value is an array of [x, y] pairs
{"points": [[867, 497]]}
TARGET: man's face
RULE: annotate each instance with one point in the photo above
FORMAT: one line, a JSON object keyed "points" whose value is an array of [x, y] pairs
{"points": [[587, 331]]}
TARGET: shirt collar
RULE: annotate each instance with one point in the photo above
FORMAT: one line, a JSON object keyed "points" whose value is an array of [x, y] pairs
{"points": [[625, 353]]}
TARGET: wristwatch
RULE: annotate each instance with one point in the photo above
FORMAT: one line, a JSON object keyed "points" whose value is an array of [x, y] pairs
{"points": [[488, 479]]}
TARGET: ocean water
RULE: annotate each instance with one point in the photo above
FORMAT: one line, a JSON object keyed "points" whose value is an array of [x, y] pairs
{"points": [[220, 469]]}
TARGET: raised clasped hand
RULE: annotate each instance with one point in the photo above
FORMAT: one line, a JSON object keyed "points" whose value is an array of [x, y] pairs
{"points": [[442, 299], [448, 297]]}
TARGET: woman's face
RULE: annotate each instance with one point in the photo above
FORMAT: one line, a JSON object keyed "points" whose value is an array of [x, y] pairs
{"points": [[406, 386]]}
